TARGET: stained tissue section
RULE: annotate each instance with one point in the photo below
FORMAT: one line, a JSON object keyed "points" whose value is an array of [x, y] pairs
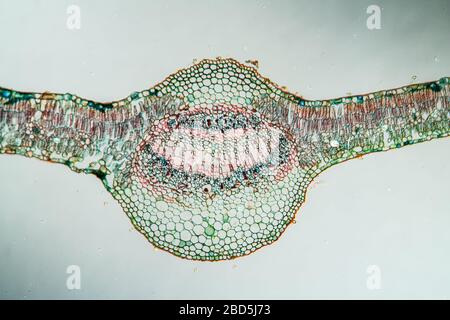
{"points": [[214, 162], [66, 131], [336, 130], [211, 149], [212, 182]]}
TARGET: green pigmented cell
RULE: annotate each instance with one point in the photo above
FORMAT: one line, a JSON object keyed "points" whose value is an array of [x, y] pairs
{"points": [[209, 231], [213, 163]]}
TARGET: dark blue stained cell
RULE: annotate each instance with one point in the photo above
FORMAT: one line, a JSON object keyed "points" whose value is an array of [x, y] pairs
{"points": [[255, 121], [134, 95], [172, 123], [6, 93], [434, 86]]}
